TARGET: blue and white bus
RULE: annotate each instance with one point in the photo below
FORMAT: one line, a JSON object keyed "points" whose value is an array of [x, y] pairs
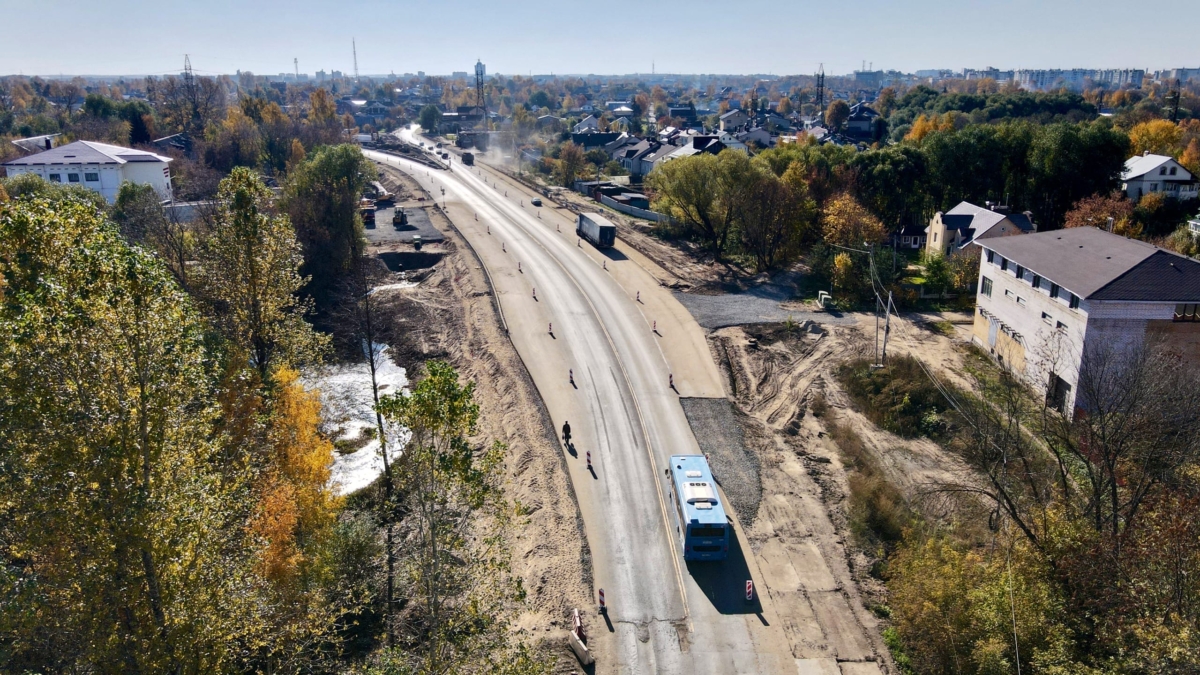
{"points": [[702, 522]]}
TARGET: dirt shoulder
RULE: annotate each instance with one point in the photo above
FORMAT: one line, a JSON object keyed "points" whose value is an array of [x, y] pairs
{"points": [[802, 533], [450, 315]]}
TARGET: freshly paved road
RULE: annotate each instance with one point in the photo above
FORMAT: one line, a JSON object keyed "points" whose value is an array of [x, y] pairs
{"points": [[666, 616]]}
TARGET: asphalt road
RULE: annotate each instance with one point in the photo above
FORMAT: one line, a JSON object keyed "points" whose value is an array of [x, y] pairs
{"points": [[665, 616]]}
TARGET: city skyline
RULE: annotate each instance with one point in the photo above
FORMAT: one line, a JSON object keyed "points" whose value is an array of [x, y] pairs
{"points": [[545, 38]]}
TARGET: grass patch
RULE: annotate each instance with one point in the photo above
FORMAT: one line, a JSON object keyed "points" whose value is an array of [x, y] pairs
{"points": [[346, 446], [878, 514], [898, 397], [942, 328]]}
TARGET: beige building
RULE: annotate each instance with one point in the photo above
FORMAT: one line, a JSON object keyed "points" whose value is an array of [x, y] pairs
{"points": [[962, 225]]}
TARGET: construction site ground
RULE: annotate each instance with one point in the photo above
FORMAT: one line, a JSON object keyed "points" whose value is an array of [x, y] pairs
{"points": [[772, 455], [450, 315]]}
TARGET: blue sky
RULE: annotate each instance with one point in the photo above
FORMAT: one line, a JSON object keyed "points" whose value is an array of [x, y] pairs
{"points": [[49, 37]]}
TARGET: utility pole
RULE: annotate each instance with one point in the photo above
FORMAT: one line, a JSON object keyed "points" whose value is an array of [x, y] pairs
{"points": [[296, 63], [354, 49]]}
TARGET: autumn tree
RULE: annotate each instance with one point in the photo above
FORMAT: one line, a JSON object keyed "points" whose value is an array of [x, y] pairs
{"points": [[249, 277], [836, 115], [1190, 159], [122, 541], [776, 216], [1099, 209], [323, 124], [704, 193], [234, 141], [847, 223], [1159, 137], [571, 163]]}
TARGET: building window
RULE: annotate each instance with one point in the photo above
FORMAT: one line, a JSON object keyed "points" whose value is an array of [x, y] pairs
{"points": [[1162, 171], [1003, 265], [1037, 281], [1020, 300], [55, 177], [1058, 392], [986, 287], [1154, 187], [1060, 326], [92, 177], [991, 257], [1009, 294], [1054, 289], [1172, 171], [1020, 273], [73, 177], [1188, 312], [935, 237], [1074, 302], [1047, 318]]}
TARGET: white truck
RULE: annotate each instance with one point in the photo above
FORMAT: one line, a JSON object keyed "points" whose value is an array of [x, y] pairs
{"points": [[597, 229]]}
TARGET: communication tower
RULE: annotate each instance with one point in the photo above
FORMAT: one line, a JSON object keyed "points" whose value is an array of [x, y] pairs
{"points": [[821, 91], [354, 48], [480, 73]]}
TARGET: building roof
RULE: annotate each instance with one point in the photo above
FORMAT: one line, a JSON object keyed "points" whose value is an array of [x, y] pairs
{"points": [[862, 111], [87, 152], [1140, 165], [731, 113], [975, 220], [1099, 265]]}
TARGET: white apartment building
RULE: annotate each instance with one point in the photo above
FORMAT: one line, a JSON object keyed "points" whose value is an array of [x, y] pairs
{"points": [[1045, 300], [97, 166]]}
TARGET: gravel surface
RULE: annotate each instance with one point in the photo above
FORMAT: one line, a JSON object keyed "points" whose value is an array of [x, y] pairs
{"points": [[383, 232], [763, 304], [721, 439]]}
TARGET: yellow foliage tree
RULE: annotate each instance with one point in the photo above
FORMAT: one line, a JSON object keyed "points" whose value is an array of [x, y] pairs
{"points": [[1190, 159], [848, 224], [922, 127], [296, 506], [1159, 137], [843, 270], [296, 154]]}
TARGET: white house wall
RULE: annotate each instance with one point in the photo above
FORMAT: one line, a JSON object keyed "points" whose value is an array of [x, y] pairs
{"points": [[1047, 348]]}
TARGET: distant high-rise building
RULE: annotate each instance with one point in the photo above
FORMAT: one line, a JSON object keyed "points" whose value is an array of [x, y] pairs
{"points": [[1078, 79]]}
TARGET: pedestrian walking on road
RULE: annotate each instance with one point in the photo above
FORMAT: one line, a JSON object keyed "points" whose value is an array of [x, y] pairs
{"points": [[567, 432]]}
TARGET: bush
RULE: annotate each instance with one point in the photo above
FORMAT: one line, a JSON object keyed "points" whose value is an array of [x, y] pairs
{"points": [[898, 397], [878, 513]]}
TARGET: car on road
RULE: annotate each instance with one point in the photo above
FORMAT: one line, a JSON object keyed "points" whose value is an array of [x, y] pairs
{"points": [[536, 201]]}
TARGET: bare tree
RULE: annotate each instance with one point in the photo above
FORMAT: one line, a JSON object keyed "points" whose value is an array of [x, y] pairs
{"points": [[1134, 428], [358, 326]]}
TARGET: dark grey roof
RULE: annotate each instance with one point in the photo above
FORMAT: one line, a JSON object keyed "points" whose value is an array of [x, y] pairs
{"points": [[1164, 276], [1095, 264], [1022, 221]]}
